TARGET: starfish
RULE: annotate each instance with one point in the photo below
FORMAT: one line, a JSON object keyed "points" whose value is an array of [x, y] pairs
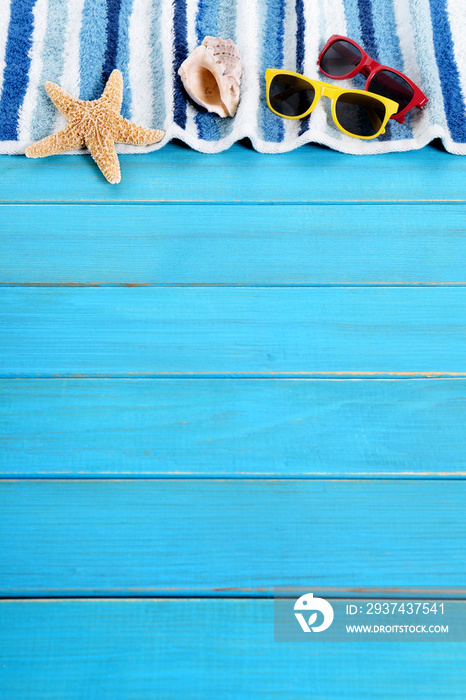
{"points": [[96, 124]]}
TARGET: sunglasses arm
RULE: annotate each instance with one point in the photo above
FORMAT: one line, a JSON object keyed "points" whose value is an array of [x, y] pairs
{"points": [[375, 119]]}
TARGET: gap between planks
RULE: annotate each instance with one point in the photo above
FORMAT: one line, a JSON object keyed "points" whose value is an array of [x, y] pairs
{"points": [[254, 594], [231, 284], [297, 376], [228, 202], [239, 476]]}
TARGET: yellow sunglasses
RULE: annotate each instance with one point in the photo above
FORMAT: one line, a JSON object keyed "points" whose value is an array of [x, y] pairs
{"points": [[355, 112]]}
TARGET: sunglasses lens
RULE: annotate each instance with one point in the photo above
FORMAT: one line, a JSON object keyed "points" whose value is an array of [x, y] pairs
{"points": [[392, 85], [290, 96], [361, 115], [340, 59]]}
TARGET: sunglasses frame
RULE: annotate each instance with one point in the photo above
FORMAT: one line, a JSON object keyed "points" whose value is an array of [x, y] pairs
{"points": [[370, 67], [333, 93]]}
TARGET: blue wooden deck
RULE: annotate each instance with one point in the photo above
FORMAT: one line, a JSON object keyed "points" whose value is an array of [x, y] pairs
{"points": [[229, 373]]}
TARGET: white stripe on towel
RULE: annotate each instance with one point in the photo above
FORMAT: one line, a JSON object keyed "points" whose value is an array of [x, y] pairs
{"points": [[404, 28], [312, 41], [26, 111], [139, 68], [168, 41], [191, 34], [334, 19], [247, 31], [311, 38], [70, 78]]}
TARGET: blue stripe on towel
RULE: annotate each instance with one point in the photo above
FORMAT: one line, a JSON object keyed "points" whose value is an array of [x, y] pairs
{"points": [[227, 19], [180, 54], [208, 12], [369, 43], [207, 126], [45, 113], [353, 24], [207, 25], [421, 23], [300, 52], [300, 29], [227, 30], [17, 60], [353, 27], [389, 50], [122, 59], [386, 37], [93, 43], [452, 96], [367, 28], [272, 57], [111, 50]]}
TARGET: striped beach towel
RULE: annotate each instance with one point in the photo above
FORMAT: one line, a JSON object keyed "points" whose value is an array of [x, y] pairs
{"points": [[76, 43]]}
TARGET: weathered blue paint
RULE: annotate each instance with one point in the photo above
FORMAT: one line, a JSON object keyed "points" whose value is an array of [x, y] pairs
{"points": [[233, 428], [240, 175], [267, 245], [231, 331], [188, 537], [305, 265], [203, 649]]}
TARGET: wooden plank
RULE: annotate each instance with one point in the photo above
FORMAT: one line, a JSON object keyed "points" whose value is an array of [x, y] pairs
{"points": [[177, 174], [264, 245], [201, 536], [203, 649], [48, 331], [232, 428]]}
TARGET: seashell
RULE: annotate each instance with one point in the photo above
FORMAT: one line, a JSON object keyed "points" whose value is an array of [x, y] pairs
{"points": [[211, 75]]}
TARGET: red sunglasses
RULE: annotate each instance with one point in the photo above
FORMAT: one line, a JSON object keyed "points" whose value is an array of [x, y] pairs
{"points": [[343, 58]]}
